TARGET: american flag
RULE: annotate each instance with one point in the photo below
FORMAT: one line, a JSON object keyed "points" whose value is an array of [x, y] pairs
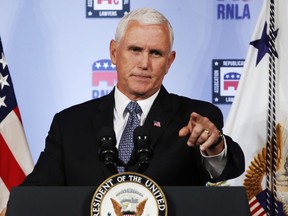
{"points": [[157, 124], [255, 205], [15, 158]]}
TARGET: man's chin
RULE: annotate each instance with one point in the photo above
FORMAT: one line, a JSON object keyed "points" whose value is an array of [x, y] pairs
{"points": [[143, 92]]}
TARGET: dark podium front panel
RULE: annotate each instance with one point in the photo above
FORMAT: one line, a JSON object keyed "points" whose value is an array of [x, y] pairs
{"points": [[198, 201]]}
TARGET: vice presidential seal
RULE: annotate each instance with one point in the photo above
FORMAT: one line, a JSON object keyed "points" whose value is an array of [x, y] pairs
{"points": [[128, 194]]}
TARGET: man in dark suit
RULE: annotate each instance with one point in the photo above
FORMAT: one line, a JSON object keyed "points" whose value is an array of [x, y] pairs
{"points": [[186, 135]]}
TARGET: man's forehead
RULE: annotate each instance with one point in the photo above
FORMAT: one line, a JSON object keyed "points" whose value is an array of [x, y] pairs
{"points": [[136, 26]]}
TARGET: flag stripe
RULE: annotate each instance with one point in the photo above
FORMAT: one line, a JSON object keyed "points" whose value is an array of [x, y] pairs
{"points": [[16, 144], [253, 203], [12, 175], [17, 112], [4, 194], [256, 208]]}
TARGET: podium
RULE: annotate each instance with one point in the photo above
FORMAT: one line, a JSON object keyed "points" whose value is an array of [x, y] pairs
{"points": [[181, 200]]}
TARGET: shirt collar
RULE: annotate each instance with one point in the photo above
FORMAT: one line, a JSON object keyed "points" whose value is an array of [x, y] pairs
{"points": [[121, 101]]}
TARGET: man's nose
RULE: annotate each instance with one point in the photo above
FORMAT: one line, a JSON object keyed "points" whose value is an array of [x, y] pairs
{"points": [[144, 61]]}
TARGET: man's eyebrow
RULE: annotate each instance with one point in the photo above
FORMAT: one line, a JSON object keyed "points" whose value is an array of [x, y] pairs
{"points": [[157, 50], [134, 46], [152, 50]]}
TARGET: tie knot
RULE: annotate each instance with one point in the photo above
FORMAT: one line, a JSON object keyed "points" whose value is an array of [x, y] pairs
{"points": [[133, 107]]}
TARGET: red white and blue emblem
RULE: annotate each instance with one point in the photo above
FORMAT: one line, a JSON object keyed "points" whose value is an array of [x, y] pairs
{"points": [[107, 8], [104, 77], [226, 75]]}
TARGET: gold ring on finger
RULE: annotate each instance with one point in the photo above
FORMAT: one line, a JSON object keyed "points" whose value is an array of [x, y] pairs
{"points": [[207, 132]]}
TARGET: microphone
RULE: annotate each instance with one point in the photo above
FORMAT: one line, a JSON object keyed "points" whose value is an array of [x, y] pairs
{"points": [[142, 149], [108, 152]]}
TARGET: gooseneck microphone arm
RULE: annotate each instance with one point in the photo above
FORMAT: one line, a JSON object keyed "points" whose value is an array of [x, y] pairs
{"points": [[108, 152]]}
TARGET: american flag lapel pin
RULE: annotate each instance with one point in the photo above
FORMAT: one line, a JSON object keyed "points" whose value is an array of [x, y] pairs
{"points": [[157, 124]]}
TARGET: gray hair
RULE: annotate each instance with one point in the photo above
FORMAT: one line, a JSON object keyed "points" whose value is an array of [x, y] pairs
{"points": [[146, 16]]}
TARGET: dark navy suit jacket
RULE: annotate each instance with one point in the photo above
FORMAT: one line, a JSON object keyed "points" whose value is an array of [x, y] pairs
{"points": [[71, 155]]}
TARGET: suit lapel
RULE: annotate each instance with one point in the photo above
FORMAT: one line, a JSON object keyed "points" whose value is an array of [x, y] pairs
{"points": [[104, 112], [160, 115]]}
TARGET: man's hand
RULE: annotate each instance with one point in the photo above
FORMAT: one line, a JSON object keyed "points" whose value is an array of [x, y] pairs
{"points": [[3, 212], [201, 131]]}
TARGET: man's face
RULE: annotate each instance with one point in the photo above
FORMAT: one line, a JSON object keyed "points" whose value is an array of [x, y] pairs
{"points": [[142, 59]]}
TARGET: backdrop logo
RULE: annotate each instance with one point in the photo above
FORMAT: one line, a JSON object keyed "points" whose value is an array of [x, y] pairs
{"points": [[226, 76], [233, 10], [107, 8], [104, 77]]}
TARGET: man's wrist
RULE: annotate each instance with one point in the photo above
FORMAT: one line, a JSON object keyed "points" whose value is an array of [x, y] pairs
{"points": [[218, 141]]}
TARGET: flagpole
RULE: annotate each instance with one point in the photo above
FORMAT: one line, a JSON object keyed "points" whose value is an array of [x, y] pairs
{"points": [[272, 150]]}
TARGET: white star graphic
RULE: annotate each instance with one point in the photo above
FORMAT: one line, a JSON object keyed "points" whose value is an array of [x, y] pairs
{"points": [[2, 103], [3, 81], [3, 61], [98, 64], [105, 65], [216, 63], [112, 66]]}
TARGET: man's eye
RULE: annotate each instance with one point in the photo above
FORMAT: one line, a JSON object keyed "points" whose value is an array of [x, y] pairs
{"points": [[135, 49], [156, 53]]}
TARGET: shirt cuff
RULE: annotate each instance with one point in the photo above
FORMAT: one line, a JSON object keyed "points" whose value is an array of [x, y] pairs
{"points": [[215, 164]]}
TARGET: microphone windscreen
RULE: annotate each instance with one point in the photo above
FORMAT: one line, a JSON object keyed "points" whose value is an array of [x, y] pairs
{"points": [[139, 133], [107, 132]]}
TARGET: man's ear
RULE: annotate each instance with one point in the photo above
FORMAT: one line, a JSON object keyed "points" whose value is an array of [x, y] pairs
{"points": [[113, 51], [171, 58]]}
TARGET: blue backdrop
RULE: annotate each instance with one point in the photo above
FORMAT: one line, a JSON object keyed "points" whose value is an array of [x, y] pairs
{"points": [[51, 46]]}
